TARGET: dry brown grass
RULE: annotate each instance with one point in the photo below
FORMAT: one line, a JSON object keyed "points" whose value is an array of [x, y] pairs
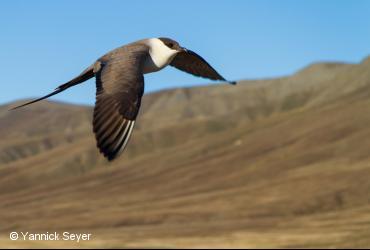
{"points": [[274, 163]]}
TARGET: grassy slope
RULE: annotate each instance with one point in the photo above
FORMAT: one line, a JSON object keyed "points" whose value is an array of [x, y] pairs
{"points": [[270, 163]]}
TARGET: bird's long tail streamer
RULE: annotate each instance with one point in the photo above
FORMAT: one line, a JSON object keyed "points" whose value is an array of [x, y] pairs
{"points": [[85, 75]]}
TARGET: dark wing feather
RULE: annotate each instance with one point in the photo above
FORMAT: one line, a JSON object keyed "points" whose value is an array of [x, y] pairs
{"points": [[194, 64], [120, 86]]}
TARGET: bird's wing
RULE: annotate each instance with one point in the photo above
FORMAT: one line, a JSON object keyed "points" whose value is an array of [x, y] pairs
{"points": [[120, 86], [193, 63]]}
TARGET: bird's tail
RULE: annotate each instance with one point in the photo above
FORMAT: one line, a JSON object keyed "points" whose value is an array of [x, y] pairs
{"points": [[85, 75]]}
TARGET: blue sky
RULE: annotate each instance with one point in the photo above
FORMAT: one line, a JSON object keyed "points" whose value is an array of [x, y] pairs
{"points": [[45, 43]]}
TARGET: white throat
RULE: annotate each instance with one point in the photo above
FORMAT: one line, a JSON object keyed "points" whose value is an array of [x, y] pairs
{"points": [[160, 56]]}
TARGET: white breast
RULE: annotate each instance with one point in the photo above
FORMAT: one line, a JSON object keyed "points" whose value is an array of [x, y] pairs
{"points": [[160, 56]]}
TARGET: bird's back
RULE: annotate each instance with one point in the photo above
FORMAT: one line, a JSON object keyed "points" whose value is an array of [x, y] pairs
{"points": [[126, 51]]}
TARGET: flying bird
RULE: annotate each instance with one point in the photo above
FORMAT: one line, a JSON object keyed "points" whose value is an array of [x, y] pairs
{"points": [[119, 78]]}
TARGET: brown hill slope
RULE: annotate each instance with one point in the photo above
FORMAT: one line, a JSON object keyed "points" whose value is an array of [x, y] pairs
{"points": [[269, 163]]}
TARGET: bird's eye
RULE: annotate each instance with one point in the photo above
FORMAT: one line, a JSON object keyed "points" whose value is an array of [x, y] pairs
{"points": [[170, 45]]}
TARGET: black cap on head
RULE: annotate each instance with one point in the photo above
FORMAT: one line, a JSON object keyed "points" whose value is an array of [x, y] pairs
{"points": [[172, 44]]}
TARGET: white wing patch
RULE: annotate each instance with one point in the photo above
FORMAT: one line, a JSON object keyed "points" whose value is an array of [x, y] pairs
{"points": [[125, 135]]}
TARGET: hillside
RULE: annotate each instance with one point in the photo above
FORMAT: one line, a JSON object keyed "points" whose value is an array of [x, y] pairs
{"points": [[268, 163]]}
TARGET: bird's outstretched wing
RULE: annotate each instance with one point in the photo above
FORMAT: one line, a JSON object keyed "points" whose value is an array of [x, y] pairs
{"points": [[120, 86], [194, 64]]}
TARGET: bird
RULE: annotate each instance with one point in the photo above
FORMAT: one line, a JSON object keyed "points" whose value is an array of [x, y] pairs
{"points": [[119, 77]]}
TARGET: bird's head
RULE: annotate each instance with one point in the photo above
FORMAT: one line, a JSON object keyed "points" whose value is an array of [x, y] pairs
{"points": [[172, 44]]}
